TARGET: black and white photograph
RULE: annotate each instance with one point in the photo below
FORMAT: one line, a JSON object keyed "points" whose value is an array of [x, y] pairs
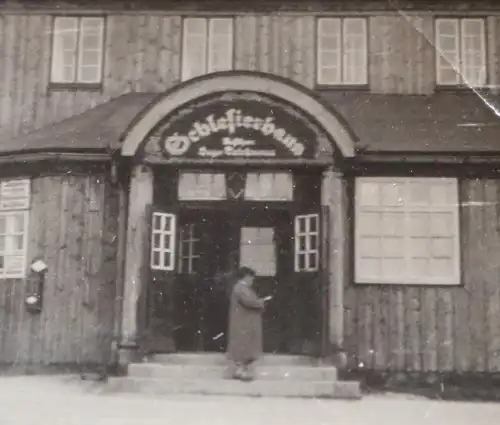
{"points": [[249, 212]]}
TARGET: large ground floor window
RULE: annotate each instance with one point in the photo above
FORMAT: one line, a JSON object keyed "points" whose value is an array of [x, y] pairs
{"points": [[407, 231]]}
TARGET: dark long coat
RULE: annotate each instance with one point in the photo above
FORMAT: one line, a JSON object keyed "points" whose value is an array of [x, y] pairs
{"points": [[245, 324]]}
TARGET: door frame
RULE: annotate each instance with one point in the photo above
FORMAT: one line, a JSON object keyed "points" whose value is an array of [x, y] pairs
{"points": [[141, 193]]}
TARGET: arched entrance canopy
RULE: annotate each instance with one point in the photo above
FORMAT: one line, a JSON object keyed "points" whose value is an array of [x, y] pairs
{"points": [[330, 122]]}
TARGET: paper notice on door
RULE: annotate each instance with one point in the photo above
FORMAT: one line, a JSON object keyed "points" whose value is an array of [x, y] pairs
{"points": [[257, 250]]}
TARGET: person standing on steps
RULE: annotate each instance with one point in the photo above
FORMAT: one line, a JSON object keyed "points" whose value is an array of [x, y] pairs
{"points": [[245, 326]]}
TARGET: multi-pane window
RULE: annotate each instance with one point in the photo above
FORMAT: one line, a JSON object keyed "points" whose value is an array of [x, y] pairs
{"points": [[188, 249], [461, 52], [207, 46], [407, 231], [163, 241], [77, 50], [307, 243], [14, 213], [342, 51]]}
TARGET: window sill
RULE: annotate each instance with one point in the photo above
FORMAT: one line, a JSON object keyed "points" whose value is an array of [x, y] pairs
{"points": [[73, 87], [411, 285], [462, 88], [342, 87]]}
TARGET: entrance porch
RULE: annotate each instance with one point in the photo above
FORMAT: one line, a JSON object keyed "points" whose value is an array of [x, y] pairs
{"points": [[230, 170]]}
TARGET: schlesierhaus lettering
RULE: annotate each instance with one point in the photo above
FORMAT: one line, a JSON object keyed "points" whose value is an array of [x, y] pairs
{"points": [[232, 120]]}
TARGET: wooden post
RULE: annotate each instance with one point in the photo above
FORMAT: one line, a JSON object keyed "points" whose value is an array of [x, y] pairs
{"points": [[140, 196], [333, 197]]}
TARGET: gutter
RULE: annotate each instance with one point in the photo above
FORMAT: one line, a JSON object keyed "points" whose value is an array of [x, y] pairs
{"points": [[25, 157]]}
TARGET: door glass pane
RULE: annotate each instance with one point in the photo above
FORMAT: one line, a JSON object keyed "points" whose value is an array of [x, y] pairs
{"points": [[156, 240], [302, 243], [167, 239], [313, 261], [156, 259], [257, 250]]}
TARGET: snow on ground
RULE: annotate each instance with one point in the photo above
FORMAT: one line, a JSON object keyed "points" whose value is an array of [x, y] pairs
{"points": [[70, 401]]}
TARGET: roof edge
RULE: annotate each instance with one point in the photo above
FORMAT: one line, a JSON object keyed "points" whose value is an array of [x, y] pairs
{"points": [[29, 157]]}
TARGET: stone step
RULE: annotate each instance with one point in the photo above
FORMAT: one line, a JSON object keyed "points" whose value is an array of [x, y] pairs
{"points": [[226, 387], [220, 359], [262, 372]]}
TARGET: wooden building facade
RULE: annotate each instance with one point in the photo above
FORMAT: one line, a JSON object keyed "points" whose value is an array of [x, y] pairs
{"points": [[133, 135]]}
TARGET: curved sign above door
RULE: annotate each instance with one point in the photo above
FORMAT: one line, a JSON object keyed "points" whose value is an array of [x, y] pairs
{"points": [[235, 125]]}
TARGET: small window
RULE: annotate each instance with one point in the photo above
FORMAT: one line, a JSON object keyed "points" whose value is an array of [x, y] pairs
{"points": [[207, 46], [342, 51], [188, 249], [307, 243], [14, 215], [163, 241], [202, 186], [461, 52], [269, 187], [77, 50], [407, 231]]}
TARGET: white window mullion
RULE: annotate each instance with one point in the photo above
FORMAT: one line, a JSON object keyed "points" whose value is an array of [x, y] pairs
{"points": [[64, 50], [194, 51], [220, 44], [329, 51], [354, 44], [473, 52], [90, 54], [448, 52]]}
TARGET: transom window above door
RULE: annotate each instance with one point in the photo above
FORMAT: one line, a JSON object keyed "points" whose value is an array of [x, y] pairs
{"points": [[254, 186], [342, 51], [461, 52], [207, 46], [77, 50]]}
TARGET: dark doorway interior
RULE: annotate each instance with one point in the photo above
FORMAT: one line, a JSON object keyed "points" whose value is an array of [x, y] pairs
{"points": [[212, 244]]}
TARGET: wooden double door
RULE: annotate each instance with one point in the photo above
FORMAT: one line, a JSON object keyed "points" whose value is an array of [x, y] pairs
{"points": [[213, 244], [189, 304]]}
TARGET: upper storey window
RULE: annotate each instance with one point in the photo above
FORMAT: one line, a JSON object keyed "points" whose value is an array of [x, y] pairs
{"points": [[342, 51], [461, 52], [207, 46], [77, 50]]}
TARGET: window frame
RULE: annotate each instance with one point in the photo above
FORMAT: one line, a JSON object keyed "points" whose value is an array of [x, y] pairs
{"points": [[171, 233], [9, 212], [191, 243], [484, 54], [208, 31], [342, 85], [76, 84], [454, 279], [308, 250]]}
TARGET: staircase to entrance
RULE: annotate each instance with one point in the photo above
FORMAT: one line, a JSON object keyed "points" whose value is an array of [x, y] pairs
{"points": [[276, 376]]}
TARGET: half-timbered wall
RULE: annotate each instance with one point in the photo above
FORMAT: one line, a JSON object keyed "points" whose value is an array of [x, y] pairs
{"points": [[425, 328], [72, 227], [143, 53]]}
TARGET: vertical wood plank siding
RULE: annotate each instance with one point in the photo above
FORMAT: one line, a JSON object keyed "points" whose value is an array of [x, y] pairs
{"points": [[436, 328], [143, 53], [73, 227]]}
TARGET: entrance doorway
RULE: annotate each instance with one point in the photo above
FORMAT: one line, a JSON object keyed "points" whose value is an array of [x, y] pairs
{"points": [[197, 245], [213, 243]]}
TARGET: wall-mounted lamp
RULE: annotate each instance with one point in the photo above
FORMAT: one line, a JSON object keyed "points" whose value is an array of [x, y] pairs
{"points": [[35, 287]]}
